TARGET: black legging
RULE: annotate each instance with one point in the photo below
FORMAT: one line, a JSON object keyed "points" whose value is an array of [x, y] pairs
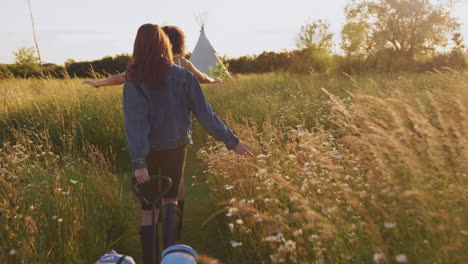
{"points": [[168, 162]]}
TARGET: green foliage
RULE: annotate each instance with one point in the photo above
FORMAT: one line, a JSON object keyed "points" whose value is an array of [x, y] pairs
{"points": [[26, 63], [221, 70], [104, 66], [62, 130], [273, 61], [243, 64], [5, 71], [407, 28], [364, 169], [267, 61], [315, 36]]}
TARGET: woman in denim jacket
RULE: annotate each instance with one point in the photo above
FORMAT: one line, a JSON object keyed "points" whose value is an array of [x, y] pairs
{"points": [[177, 39], [158, 100]]}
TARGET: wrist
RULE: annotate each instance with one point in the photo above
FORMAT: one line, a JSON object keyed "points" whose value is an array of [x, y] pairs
{"points": [[139, 164]]}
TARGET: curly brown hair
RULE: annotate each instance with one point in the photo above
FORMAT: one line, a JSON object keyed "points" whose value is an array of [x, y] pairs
{"points": [[177, 38]]}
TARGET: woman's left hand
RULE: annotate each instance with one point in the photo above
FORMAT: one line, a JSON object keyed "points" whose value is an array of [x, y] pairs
{"points": [[142, 175]]}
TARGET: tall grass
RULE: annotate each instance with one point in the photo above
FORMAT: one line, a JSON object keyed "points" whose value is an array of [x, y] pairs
{"points": [[382, 180], [60, 197], [366, 168]]}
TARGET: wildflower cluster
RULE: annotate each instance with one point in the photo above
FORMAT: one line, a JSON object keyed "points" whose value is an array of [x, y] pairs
{"points": [[349, 192]]}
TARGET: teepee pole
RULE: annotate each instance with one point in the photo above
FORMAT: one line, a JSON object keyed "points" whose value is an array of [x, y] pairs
{"points": [[34, 35]]}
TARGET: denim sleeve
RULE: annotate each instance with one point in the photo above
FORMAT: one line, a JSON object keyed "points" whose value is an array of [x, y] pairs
{"points": [[209, 120], [137, 125]]}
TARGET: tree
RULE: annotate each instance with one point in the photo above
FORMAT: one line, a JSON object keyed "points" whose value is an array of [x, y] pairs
{"points": [[407, 28], [315, 36], [26, 62], [69, 62]]}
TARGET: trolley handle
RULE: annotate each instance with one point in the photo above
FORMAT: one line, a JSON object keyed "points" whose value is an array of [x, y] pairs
{"points": [[166, 187]]}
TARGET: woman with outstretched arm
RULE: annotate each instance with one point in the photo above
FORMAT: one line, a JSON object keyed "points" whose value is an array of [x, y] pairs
{"points": [[177, 38], [158, 100]]}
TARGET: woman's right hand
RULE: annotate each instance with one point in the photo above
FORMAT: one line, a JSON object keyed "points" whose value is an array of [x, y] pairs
{"points": [[217, 80], [93, 84], [243, 149], [142, 175]]}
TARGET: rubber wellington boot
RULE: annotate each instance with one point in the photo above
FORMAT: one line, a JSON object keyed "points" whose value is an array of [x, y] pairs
{"points": [[180, 204], [170, 224], [148, 249]]}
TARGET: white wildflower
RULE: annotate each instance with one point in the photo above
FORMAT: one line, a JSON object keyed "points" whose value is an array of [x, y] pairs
{"points": [[290, 245], [239, 222], [231, 226], [401, 258], [270, 239], [297, 232], [389, 225], [279, 237], [228, 187], [54, 217], [232, 211], [235, 244], [378, 257], [12, 252], [73, 181], [60, 220]]}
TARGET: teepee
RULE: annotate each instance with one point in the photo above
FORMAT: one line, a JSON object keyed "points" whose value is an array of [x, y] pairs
{"points": [[204, 56]]}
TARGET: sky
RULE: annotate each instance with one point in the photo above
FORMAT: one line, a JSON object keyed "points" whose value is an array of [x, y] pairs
{"points": [[91, 29]]}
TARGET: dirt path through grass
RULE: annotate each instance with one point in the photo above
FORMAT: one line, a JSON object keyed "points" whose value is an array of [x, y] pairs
{"points": [[205, 239]]}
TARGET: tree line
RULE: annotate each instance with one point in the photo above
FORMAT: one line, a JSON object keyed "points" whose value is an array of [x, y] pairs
{"points": [[378, 36]]}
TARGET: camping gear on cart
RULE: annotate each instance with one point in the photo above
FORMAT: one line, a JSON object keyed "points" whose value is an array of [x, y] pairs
{"points": [[154, 204], [180, 254]]}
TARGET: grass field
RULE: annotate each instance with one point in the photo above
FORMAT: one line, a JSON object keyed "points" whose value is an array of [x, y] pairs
{"points": [[368, 169]]}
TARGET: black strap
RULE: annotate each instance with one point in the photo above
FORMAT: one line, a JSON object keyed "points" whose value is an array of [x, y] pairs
{"points": [[121, 259]]}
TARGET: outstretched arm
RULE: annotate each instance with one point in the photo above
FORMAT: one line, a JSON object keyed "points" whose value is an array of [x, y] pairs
{"points": [[210, 121], [201, 77], [113, 80]]}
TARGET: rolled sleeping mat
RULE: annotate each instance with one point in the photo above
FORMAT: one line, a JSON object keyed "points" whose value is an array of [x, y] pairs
{"points": [[180, 254]]}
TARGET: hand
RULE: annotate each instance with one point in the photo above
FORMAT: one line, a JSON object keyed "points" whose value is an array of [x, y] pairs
{"points": [[217, 80], [93, 84], [243, 149], [142, 175]]}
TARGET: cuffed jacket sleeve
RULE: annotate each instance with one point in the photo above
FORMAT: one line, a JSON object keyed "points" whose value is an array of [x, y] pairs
{"points": [[209, 120], [137, 124]]}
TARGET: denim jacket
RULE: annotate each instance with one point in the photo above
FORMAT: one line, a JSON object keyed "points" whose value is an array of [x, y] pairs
{"points": [[158, 119]]}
